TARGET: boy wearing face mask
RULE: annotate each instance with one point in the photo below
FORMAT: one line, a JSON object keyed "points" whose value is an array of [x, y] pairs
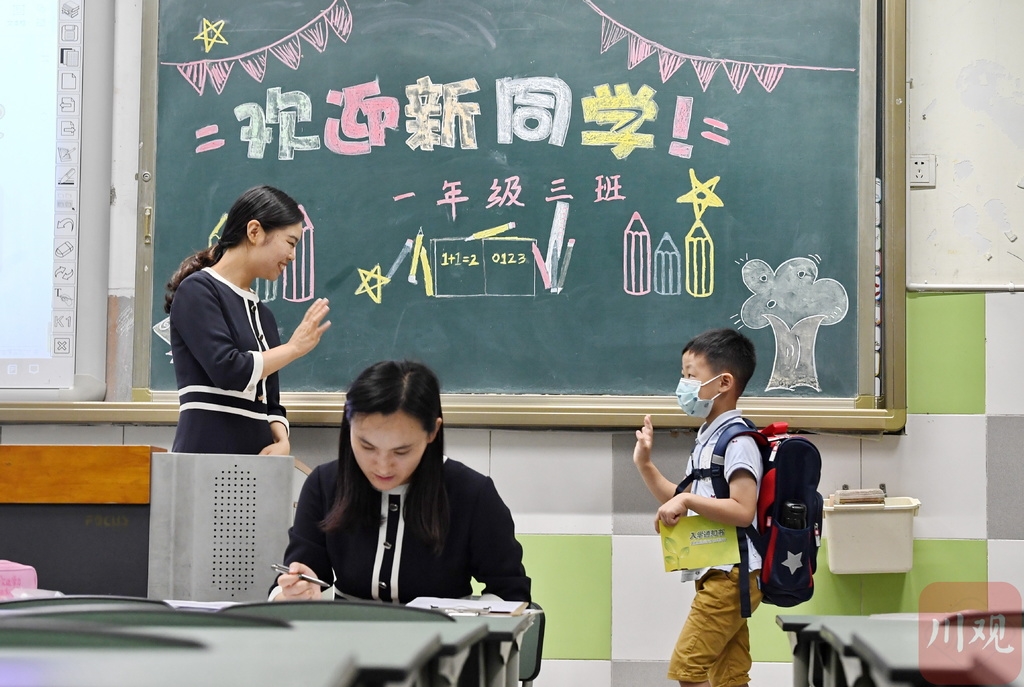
{"points": [[714, 645]]}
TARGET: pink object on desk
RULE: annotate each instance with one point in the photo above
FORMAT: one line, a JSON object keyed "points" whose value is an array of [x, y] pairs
{"points": [[16, 576]]}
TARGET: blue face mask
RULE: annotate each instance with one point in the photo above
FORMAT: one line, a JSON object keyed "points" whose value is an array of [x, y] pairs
{"points": [[687, 394]]}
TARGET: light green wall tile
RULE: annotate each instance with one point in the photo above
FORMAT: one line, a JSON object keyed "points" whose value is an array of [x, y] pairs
{"points": [[572, 580], [935, 560], [946, 343], [833, 595]]}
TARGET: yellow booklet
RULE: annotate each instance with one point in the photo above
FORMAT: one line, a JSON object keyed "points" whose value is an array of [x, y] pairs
{"points": [[696, 542]]}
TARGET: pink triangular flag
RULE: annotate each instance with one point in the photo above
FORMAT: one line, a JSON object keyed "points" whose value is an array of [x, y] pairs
{"points": [[611, 33], [769, 75], [195, 74], [316, 35], [255, 65], [339, 18], [738, 73], [668, 63], [704, 69], [288, 51], [639, 50], [219, 72]]}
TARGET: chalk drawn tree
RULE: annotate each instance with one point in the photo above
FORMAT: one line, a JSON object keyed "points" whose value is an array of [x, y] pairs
{"points": [[796, 304]]}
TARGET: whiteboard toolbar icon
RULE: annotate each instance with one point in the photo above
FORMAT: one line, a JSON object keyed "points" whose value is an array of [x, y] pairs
{"points": [[68, 81], [62, 346]]}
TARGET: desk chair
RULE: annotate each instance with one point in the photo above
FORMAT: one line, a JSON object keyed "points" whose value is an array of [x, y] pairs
{"points": [[84, 599], [531, 648], [336, 610]]}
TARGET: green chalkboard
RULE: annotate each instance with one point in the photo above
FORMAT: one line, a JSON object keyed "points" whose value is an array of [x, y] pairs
{"points": [[562, 193]]}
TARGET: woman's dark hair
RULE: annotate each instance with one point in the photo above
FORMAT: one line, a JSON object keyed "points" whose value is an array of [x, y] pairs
{"points": [[388, 387], [272, 208]]}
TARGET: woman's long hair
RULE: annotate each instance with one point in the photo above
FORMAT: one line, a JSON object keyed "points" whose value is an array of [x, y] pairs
{"points": [[388, 387], [272, 208]]}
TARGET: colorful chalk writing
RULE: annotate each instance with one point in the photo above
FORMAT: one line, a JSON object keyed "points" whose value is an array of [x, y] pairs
{"points": [[453, 156], [625, 113]]}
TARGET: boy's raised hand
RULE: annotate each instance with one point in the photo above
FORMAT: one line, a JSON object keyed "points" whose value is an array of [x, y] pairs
{"points": [[644, 443]]}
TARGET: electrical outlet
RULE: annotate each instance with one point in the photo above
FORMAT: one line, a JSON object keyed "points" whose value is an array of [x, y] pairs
{"points": [[922, 171]]}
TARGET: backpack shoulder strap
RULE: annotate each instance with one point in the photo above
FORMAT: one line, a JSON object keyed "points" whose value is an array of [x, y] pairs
{"points": [[742, 426]]}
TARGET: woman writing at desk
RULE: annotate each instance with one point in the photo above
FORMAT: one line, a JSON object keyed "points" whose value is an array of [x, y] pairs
{"points": [[224, 342], [393, 518]]}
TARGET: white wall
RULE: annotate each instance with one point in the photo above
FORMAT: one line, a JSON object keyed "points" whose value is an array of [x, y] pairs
{"points": [[965, 103]]}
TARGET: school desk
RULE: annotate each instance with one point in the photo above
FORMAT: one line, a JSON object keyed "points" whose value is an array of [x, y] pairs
{"points": [[57, 653], [880, 650]]}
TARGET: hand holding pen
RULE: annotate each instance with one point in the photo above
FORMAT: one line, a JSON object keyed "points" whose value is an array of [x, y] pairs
{"points": [[298, 582]]}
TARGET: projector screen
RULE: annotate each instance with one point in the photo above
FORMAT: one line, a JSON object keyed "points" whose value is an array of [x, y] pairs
{"points": [[46, 287]]}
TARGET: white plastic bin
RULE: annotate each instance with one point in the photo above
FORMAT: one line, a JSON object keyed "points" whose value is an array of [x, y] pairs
{"points": [[871, 537]]}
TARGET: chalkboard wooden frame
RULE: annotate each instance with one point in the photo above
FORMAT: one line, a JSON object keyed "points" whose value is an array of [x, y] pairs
{"points": [[877, 405]]}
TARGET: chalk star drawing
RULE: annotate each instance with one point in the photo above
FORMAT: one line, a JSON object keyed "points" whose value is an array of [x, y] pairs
{"points": [[792, 562], [372, 290], [211, 34], [701, 194]]}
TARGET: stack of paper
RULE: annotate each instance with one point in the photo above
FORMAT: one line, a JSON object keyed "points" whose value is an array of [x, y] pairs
{"points": [[859, 496], [469, 606]]}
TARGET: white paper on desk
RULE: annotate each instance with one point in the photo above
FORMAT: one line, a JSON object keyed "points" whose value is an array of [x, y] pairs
{"points": [[199, 605], [478, 605]]}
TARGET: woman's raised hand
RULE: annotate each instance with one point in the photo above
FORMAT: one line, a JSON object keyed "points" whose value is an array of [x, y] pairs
{"points": [[307, 335]]}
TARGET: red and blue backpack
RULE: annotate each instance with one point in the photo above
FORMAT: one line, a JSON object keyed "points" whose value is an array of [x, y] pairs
{"points": [[789, 512]]}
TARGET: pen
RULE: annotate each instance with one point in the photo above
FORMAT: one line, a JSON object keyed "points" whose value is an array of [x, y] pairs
{"points": [[284, 569]]}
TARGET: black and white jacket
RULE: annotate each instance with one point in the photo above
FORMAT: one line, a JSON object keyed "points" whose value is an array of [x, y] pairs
{"points": [[218, 335], [390, 564]]}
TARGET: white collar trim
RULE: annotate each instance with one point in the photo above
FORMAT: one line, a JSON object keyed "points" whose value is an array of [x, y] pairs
{"points": [[247, 294]]}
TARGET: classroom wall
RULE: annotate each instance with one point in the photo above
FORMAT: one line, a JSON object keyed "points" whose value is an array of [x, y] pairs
{"points": [[585, 519]]}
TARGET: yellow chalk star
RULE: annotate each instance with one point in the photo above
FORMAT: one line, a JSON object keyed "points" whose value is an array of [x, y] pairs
{"points": [[371, 290], [702, 195], [211, 34]]}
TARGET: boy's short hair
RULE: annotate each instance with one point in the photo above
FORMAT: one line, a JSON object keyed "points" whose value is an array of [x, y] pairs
{"points": [[726, 350]]}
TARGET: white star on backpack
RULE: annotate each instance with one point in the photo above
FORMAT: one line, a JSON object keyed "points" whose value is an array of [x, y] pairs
{"points": [[792, 562]]}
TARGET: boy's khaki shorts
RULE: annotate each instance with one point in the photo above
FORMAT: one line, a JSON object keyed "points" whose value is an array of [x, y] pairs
{"points": [[714, 643]]}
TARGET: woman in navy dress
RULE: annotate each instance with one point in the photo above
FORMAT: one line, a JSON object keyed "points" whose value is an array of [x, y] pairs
{"points": [[225, 344], [393, 518]]}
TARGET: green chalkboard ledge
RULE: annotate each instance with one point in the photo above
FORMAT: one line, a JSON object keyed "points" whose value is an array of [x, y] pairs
{"points": [[866, 414]]}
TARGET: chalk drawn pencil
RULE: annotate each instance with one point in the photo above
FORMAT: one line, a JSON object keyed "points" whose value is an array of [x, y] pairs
{"points": [[493, 231], [416, 256], [565, 265], [556, 238], [401, 257], [428, 278], [541, 267]]}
